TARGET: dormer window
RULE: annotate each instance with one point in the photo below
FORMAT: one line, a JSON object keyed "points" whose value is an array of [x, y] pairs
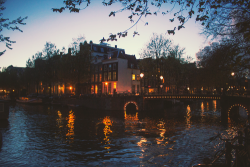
{"points": [[94, 48], [102, 49]]}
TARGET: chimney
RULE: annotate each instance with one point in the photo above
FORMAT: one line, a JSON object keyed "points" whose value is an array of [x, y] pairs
{"points": [[69, 51], [115, 46], [81, 47]]}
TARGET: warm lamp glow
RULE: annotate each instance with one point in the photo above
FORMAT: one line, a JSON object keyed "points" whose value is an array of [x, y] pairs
{"points": [[232, 73], [141, 75], [70, 87], [161, 77], [106, 83]]}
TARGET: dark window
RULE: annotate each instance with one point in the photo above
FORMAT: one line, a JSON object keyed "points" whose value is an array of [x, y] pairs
{"points": [[102, 49], [132, 65], [114, 66], [109, 67], [100, 68], [105, 76], [96, 77], [137, 88], [133, 89], [105, 67], [94, 48], [100, 77], [96, 68]]}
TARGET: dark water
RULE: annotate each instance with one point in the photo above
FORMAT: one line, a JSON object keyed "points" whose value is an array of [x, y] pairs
{"points": [[54, 136]]}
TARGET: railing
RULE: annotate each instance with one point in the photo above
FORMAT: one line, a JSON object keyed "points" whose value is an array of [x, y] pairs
{"points": [[213, 97], [241, 152]]}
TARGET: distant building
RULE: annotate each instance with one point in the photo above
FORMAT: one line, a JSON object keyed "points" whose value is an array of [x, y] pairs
{"points": [[113, 71]]}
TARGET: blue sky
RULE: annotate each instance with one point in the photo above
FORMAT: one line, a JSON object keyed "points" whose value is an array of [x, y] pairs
{"points": [[93, 23]]}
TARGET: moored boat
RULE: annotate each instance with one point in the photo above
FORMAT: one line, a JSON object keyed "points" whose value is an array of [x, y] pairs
{"points": [[29, 100]]}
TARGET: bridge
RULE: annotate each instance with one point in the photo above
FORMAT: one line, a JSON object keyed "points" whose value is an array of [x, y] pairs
{"points": [[230, 104]]}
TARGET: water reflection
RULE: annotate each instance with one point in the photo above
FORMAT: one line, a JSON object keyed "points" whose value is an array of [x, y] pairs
{"points": [[161, 127], [175, 137], [188, 117], [107, 131], [70, 125], [214, 105]]}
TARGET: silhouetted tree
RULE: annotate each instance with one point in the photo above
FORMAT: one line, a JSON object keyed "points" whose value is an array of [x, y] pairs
{"points": [[11, 25], [212, 14]]}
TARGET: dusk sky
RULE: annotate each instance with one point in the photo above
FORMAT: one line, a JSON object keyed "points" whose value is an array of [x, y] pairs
{"points": [[93, 23]]}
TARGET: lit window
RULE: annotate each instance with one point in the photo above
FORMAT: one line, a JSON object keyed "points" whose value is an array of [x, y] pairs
{"points": [[100, 77], [150, 90], [109, 76], [138, 77], [114, 85], [133, 77], [96, 89], [114, 75]]}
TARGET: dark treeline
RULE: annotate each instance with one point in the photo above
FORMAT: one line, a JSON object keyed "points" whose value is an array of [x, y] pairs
{"points": [[47, 67]]}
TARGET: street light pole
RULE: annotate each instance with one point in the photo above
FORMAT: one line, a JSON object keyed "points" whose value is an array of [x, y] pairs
{"points": [[141, 75]]}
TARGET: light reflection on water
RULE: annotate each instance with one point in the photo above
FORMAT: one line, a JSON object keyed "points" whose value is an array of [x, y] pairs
{"points": [[56, 136]]}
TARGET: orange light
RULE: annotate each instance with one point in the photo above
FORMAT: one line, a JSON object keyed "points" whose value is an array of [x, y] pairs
{"points": [[106, 83], [70, 88]]}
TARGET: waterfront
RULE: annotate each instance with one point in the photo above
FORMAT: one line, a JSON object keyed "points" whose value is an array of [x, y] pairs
{"points": [[38, 135]]}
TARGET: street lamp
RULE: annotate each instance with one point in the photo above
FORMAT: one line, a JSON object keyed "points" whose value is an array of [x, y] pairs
{"points": [[161, 77], [141, 75]]}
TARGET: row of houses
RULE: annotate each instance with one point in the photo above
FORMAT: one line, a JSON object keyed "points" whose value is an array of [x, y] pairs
{"points": [[112, 72]]}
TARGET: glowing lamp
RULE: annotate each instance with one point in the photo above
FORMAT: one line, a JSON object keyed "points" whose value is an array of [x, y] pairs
{"points": [[106, 83], [141, 75], [70, 88], [161, 77]]}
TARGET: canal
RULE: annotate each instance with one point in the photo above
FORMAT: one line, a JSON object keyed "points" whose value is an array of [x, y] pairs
{"points": [[38, 135]]}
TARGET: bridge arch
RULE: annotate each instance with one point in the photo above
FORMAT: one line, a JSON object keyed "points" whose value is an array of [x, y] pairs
{"points": [[231, 109], [131, 102]]}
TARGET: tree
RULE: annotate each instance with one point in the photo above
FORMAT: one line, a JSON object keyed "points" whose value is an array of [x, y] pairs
{"points": [[12, 25], [221, 59], [158, 46], [75, 45], [162, 58], [49, 51], [210, 13]]}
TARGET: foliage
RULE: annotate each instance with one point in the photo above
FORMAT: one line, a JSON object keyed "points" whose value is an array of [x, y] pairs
{"points": [[11, 25], [75, 45], [158, 46], [214, 15], [219, 60]]}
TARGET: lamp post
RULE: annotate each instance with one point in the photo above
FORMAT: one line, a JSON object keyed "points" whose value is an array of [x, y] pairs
{"points": [[141, 75], [161, 77]]}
